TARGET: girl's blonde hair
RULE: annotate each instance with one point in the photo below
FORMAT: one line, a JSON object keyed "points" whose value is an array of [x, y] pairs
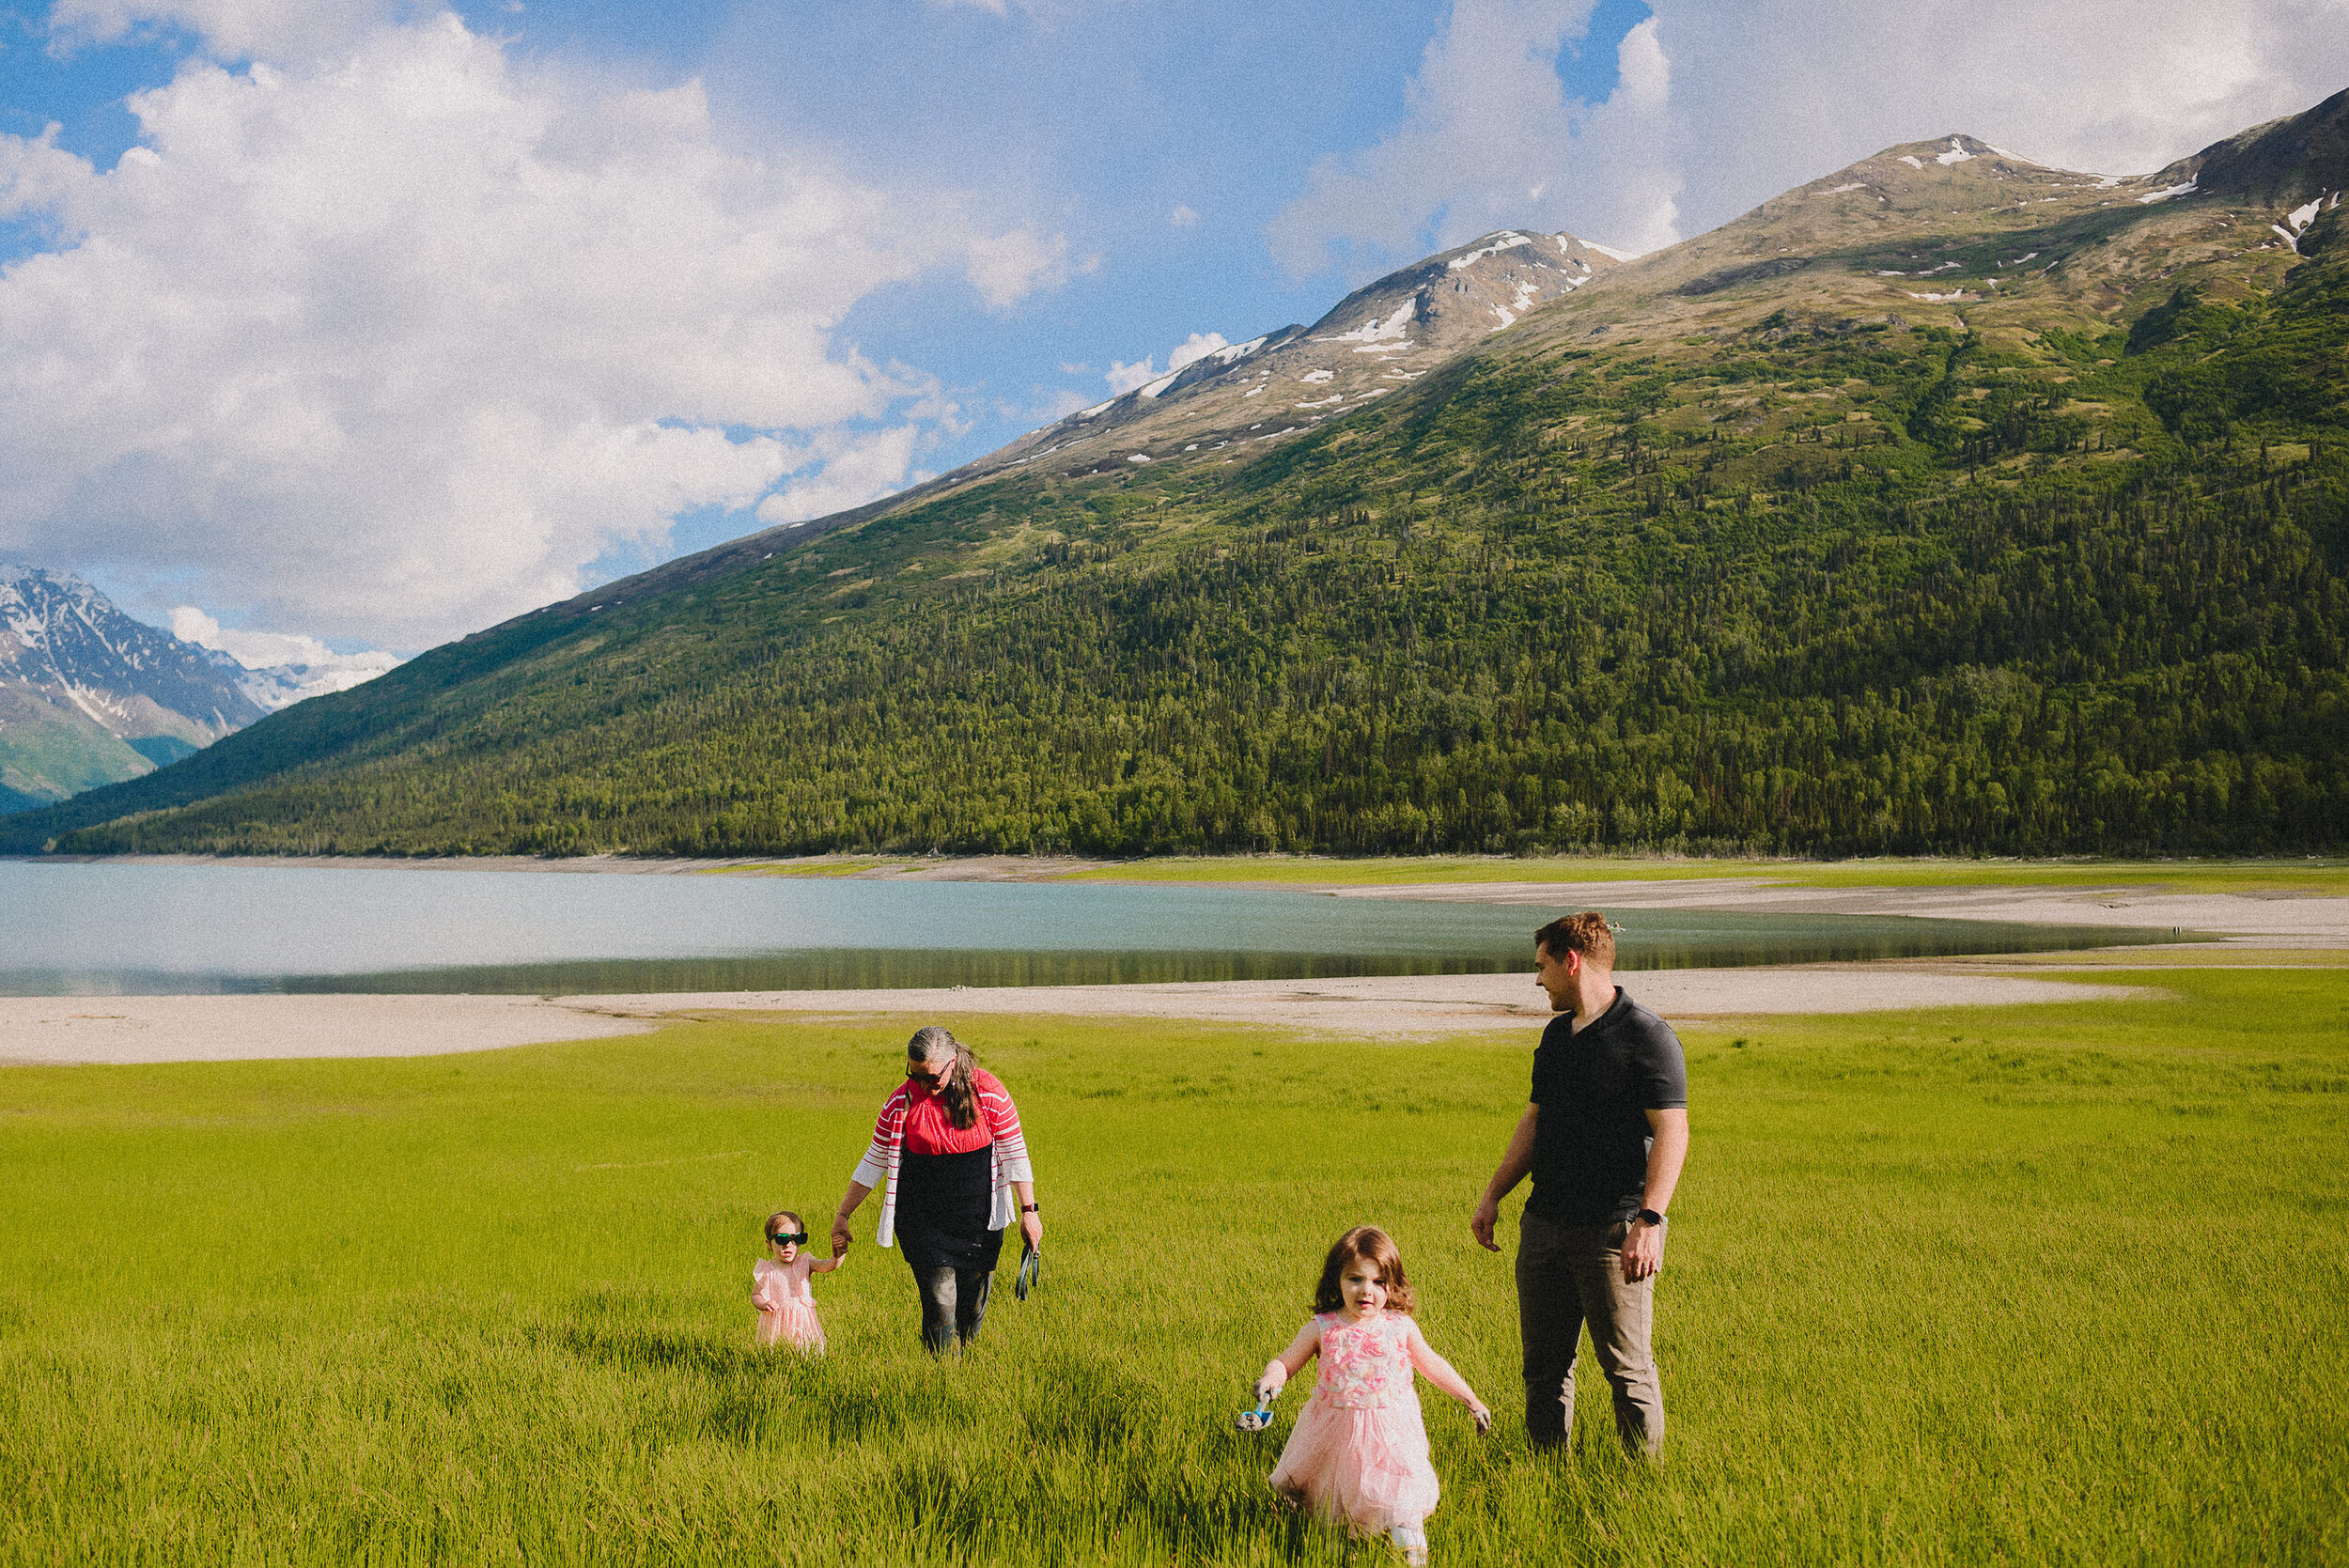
{"points": [[1372, 1245], [768, 1230]]}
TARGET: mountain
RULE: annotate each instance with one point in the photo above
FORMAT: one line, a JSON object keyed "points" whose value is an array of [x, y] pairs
{"points": [[1946, 503], [1374, 342], [90, 696]]}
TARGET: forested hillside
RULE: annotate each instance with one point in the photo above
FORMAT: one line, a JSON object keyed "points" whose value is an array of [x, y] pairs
{"points": [[2061, 565]]}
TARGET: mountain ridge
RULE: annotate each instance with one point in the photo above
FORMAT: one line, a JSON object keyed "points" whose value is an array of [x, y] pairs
{"points": [[1967, 503], [90, 696]]}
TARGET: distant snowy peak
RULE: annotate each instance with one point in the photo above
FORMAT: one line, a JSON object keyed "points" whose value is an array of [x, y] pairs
{"points": [[1375, 341], [60, 636]]}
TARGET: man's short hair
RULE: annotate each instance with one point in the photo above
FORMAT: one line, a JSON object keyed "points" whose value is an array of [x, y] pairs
{"points": [[1587, 933]]}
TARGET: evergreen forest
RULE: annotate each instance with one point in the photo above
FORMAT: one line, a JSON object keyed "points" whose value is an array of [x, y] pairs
{"points": [[1832, 586]]}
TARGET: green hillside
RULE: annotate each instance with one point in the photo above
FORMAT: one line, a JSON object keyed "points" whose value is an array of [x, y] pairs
{"points": [[1714, 553]]}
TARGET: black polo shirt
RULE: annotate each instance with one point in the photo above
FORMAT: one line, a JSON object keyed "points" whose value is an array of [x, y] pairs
{"points": [[1594, 1088]]}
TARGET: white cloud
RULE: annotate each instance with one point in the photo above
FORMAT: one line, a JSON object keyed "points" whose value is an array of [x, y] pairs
{"points": [[1721, 105], [1123, 378], [230, 29], [1043, 10], [268, 650], [1198, 346], [1764, 99], [392, 344], [1183, 217], [845, 469]]}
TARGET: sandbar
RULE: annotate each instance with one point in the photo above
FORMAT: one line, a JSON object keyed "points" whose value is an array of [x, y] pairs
{"points": [[123, 1031], [2285, 919], [120, 1031]]}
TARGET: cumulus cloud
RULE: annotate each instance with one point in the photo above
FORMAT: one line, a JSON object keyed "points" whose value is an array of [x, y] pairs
{"points": [[327, 670], [1767, 95], [1721, 104], [1488, 139], [1123, 378], [843, 469], [1183, 217], [228, 29], [390, 342]]}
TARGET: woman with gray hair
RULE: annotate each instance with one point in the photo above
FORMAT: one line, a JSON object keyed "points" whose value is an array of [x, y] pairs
{"points": [[949, 1147]]}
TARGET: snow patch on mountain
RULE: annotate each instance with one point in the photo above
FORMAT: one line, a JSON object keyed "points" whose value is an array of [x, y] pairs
{"points": [[1375, 331], [1508, 240], [2186, 188]]}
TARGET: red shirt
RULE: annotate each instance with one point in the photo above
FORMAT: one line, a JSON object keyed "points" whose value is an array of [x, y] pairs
{"points": [[929, 1132]]}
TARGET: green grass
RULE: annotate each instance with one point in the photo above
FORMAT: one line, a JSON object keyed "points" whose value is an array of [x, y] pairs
{"points": [[2060, 1285], [2312, 874]]}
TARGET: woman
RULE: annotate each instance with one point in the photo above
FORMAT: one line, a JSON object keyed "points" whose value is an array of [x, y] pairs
{"points": [[948, 1143]]}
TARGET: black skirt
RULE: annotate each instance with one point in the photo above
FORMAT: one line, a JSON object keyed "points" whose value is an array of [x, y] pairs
{"points": [[943, 1204]]}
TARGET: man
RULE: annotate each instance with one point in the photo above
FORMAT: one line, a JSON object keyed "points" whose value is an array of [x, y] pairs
{"points": [[1604, 1138]]}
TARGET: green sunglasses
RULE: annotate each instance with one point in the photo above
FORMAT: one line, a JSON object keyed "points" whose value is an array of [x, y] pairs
{"points": [[780, 1237]]}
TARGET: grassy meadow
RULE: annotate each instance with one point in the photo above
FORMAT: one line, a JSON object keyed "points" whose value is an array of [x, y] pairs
{"points": [[2052, 1284]]}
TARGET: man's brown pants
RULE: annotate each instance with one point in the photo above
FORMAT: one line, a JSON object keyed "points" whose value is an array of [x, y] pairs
{"points": [[1569, 1275]]}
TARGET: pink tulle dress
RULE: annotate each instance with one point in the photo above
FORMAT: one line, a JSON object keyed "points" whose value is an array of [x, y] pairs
{"points": [[786, 1303], [1359, 1454]]}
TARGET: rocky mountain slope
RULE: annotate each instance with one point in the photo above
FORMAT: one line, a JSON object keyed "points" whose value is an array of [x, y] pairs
{"points": [[1948, 501], [90, 696], [1374, 342]]}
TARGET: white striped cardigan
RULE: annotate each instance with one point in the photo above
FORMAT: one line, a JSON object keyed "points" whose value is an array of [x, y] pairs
{"points": [[1001, 1117]]}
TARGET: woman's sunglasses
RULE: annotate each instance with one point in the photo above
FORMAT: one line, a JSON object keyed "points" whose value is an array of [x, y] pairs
{"points": [[783, 1237]]}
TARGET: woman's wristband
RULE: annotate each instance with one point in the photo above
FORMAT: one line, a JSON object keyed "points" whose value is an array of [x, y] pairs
{"points": [[1029, 1208]]}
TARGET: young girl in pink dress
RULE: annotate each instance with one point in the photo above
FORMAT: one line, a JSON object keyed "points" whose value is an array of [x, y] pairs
{"points": [[780, 1288], [1359, 1454]]}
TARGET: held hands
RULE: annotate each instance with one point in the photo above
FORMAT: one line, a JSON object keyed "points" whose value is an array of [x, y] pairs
{"points": [[840, 1236]]}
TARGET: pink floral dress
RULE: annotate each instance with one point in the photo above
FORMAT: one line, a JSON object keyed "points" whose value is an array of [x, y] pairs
{"points": [[1358, 1455], [786, 1303]]}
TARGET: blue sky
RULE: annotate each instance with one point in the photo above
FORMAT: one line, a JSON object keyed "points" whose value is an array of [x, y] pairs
{"points": [[395, 322]]}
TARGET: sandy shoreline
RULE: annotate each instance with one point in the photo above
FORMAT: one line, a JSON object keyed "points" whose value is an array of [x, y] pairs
{"points": [[2277, 920], [121, 1030]]}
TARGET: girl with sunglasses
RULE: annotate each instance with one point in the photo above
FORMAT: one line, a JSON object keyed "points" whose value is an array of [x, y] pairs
{"points": [[780, 1288]]}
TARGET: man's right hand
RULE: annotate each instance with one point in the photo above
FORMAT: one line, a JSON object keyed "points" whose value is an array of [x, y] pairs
{"points": [[1480, 1224], [840, 1236]]}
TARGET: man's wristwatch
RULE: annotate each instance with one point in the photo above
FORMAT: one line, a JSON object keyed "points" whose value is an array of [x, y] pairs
{"points": [[1028, 1208], [1648, 1216]]}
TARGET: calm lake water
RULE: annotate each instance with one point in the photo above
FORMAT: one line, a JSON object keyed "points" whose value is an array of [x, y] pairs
{"points": [[129, 930]]}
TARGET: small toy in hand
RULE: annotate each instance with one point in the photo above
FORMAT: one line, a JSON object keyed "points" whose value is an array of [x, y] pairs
{"points": [[1253, 1421]]}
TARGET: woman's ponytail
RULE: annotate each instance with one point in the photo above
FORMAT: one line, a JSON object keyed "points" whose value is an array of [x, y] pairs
{"points": [[961, 1094]]}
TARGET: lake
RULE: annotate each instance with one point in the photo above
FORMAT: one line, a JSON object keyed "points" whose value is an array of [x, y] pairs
{"points": [[100, 929]]}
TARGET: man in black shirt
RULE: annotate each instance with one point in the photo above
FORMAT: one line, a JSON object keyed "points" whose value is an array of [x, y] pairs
{"points": [[1603, 1138]]}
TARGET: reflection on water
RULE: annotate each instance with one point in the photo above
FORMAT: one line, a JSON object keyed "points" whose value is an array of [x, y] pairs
{"points": [[97, 930]]}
